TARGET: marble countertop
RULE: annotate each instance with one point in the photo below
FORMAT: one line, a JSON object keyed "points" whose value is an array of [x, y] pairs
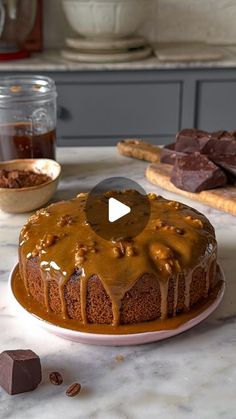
{"points": [[52, 61], [190, 376]]}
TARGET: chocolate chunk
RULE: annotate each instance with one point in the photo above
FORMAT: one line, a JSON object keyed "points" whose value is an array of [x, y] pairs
{"points": [[169, 154], [191, 140], [228, 164], [20, 371], [215, 143], [196, 173], [220, 143]]}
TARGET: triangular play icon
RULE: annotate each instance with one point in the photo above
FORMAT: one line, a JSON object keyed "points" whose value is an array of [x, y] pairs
{"points": [[116, 210]]}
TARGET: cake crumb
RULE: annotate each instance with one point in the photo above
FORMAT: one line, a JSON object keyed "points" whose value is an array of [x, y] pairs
{"points": [[119, 358]]}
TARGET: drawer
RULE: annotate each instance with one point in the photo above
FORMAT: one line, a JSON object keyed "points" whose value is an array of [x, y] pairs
{"points": [[118, 109], [216, 105]]}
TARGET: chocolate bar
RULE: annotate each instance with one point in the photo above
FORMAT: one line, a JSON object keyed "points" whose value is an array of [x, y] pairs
{"points": [[20, 371], [169, 154], [195, 173]]}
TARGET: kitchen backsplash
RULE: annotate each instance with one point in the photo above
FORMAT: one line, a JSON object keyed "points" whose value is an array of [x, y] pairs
{"points": [[169, 20]]}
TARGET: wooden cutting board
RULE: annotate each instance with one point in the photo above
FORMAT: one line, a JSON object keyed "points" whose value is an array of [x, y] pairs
{"points": [[223, 199], [187, 51], [139, 149]]}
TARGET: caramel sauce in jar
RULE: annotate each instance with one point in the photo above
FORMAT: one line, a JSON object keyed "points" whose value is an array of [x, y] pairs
{"points": [[18, 141], [27, 117]]}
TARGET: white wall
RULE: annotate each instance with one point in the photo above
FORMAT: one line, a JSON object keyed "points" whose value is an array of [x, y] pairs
{"points": [[170, 20], [205, 20], [55, 24]]}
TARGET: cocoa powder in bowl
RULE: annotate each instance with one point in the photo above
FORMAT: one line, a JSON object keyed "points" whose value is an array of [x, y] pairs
{"points": [[15, 179]]}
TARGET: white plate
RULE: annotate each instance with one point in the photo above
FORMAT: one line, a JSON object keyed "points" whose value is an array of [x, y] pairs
{"points": [[86, 44], [114, 57], [113, 340]]}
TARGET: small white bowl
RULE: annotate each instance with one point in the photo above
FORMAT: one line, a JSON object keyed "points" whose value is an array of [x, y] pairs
{"points": [[105, 19], [19, 200]]}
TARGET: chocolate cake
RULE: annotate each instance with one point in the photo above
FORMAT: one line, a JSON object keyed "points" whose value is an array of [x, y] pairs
{"points": [[75, 274]]}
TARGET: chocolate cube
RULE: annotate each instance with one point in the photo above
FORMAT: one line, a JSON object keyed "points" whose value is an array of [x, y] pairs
{"points": [[228, 164], [20, 371], [215, 143], [169, 154], [191, 140], [196, 173], [220, 143]]}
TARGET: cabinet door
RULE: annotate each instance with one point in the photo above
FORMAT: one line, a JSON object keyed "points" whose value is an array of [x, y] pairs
{"points": [[102, 113], [216, 105]]}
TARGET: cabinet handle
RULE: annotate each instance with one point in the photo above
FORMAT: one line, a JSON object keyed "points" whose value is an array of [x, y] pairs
{"points": [[63, 114]]}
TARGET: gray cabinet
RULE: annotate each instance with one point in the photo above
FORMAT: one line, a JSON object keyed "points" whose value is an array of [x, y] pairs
{"points": [[101, 107], [216, 105], [105, 111]]}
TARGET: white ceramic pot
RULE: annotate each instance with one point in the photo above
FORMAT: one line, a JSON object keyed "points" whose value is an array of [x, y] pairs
{"points": [[105, 19]]}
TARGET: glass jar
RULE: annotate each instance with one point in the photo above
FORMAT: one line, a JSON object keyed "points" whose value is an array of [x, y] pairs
{"points": [[27, 117]]}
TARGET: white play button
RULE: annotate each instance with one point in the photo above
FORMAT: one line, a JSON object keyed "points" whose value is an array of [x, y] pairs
{"points": [[116, 209]]}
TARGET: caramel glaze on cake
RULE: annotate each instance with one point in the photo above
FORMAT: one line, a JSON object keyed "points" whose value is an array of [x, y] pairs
{"points": [[71, 271]]}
